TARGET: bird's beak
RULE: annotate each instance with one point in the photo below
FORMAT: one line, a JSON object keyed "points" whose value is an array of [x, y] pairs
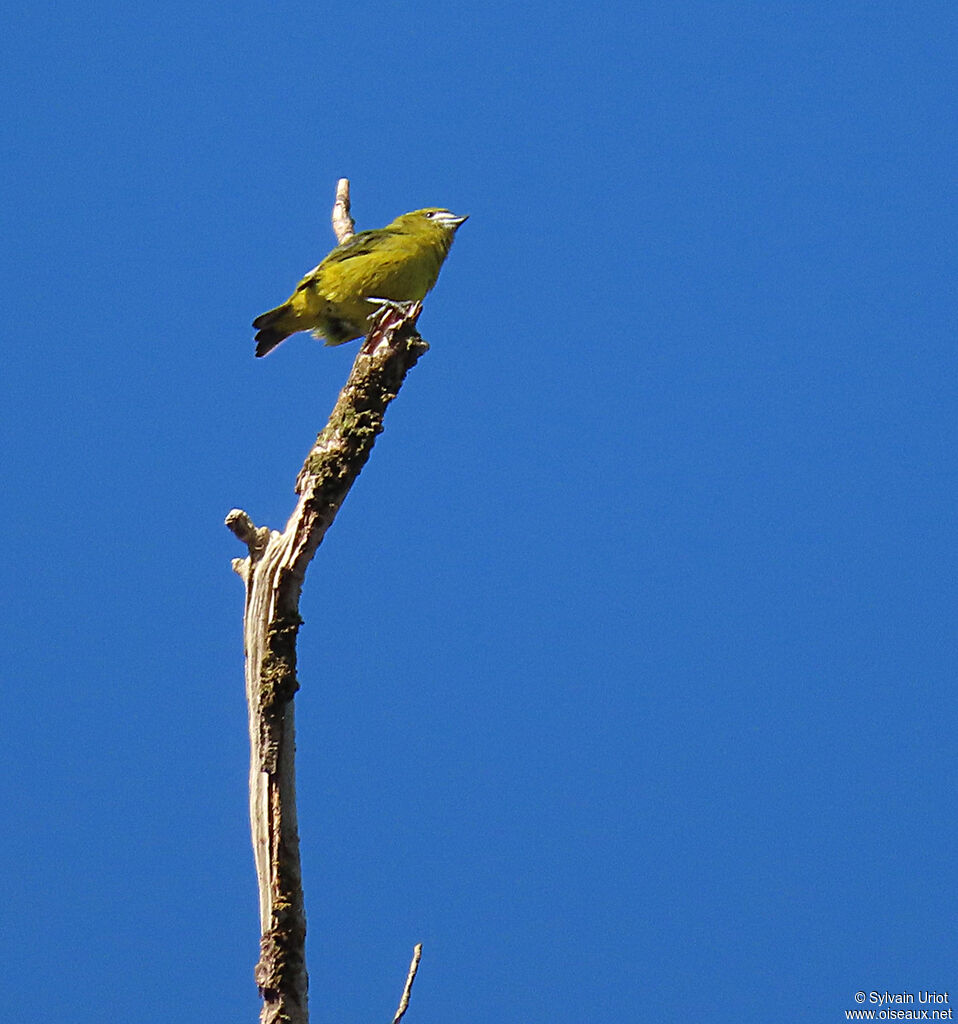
{"points": [[449, 220]]}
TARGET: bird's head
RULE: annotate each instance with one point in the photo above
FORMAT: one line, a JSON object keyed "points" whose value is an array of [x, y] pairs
{"points": [[432, 219]]}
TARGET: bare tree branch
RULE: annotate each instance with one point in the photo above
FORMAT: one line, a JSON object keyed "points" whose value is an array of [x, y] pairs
{"points": [[343, 224], [273, 572], [410, 978]]}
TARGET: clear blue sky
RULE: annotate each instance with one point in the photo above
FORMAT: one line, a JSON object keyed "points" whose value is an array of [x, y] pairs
{"points": [[628, 672]]}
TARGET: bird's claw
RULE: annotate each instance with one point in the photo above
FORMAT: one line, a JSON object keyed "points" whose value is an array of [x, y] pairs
{"points": [[387, 315], [400, 307]]}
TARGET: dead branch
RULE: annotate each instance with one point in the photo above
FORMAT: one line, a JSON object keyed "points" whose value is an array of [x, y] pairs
{"points": [[273, 572], [343, 224], [407, 989]]}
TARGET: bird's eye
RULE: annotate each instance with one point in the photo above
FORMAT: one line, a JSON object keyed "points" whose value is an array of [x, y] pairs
{"points": [[431, 214]]}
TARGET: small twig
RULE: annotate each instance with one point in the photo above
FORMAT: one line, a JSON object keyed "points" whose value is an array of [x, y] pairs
{"points": [[343, 224], [410, 978], [254, 537], [240, 523]]}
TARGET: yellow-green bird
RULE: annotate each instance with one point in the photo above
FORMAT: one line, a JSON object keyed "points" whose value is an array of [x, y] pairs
{"points": [[399, 262]]}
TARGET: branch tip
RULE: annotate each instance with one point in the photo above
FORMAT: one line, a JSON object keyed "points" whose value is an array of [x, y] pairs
{"points": [[240, 524], [242, 527], [343, 224], [410, 978]]}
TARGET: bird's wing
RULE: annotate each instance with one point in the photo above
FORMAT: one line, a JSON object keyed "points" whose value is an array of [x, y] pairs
{"points": [[362, 244]]}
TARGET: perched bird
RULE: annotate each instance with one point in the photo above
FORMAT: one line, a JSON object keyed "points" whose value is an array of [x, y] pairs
{"points": [[399, 262]]}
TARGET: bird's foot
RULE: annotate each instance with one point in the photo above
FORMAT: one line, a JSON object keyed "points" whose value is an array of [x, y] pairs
{"points": [[380, 304], [385, 318]]}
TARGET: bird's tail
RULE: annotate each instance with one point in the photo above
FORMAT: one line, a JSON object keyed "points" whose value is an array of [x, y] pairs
{"points": [[274, 326]]}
